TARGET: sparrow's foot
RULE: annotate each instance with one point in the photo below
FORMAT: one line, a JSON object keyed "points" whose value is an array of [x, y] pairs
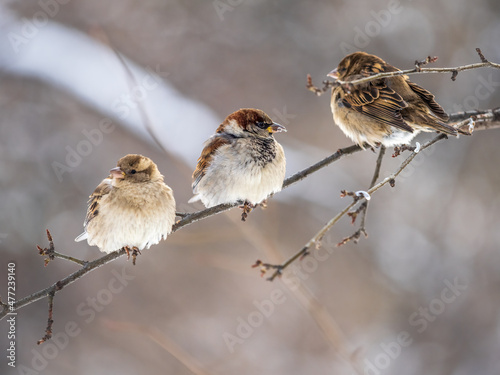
{"points": [[127, 249], [135, 252], [247, 208]]}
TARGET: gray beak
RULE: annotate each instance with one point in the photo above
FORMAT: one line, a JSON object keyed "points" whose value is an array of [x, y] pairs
{"points": [[276, 128], [334, 74]]}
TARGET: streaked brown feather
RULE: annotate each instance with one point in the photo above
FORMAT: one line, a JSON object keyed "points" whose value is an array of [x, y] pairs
{"points": [[101, 190], [207, 155], [428, 98], [379, 102]]}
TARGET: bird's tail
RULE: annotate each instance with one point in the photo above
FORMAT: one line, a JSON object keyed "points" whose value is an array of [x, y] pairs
{"points": [[443, 128], [195, 198], [81, 237], [451, 129]]}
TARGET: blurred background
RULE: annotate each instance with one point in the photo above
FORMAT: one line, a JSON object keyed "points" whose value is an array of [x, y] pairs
{"points": [[420, 295]]}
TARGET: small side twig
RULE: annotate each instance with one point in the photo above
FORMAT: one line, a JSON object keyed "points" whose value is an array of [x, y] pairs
{"points": [[427, 60], [51, 254], [353, 237], [481, 56], [319, 91], [50, 321], [363, 207], [399, 149]]}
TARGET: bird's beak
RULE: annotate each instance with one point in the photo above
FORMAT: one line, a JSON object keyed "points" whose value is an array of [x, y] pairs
{"points": [[117, 173], [276, 128], [334, 74]]}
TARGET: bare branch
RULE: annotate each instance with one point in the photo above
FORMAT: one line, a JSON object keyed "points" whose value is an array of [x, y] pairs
{"points": [[481, 56], [187, 218], [378, 165], [316, 239], [363, 207], [417, 70], [90, 266], [319, 91], [427, 60], [50, 321], [484, 119], [321, 164], [51, 254]]}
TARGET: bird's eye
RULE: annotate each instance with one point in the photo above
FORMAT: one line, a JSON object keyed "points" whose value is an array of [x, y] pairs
{"points": [[262, 125], [133, 171]]}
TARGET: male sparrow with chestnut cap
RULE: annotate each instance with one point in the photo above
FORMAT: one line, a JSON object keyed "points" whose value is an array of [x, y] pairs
{"points": [[388, 111], [241, 162], [133, 208]]}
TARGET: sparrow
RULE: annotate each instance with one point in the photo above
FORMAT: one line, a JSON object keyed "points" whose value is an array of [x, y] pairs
{"points": [[241, 162], [388, 111], [132, 208]]}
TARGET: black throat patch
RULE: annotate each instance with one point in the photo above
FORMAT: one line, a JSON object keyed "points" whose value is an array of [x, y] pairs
{"points": [[264, 151]]}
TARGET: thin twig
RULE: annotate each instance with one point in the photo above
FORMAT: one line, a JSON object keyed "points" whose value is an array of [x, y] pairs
{"points": [[316, 239], [378, 165], [363, 207], [417, 70], [321, 164], [56, 287], [484, 119], [481, 56], [51, 254], [319, 91], [427, 60], [454, 71], [50, 321], [71, 259]]}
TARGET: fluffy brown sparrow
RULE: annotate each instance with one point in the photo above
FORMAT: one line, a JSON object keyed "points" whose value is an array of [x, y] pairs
{"points": [[131, 209], [390, 111], [241, 162]]}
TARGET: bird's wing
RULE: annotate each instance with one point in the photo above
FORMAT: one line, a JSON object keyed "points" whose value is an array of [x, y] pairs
{"points": [[428, 98], [378, 101], [104, 188], [211, 147]]}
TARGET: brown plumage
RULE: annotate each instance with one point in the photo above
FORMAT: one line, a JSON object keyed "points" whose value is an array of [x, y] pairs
{"points": [[389, 111], [132, 208], [241, 162]]}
